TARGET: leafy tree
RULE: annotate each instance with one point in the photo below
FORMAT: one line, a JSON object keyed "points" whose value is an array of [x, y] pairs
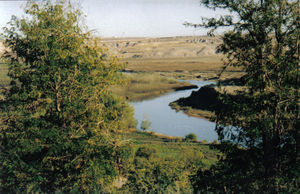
{"points": [[156, 175], [262, 122], [59, 122]]}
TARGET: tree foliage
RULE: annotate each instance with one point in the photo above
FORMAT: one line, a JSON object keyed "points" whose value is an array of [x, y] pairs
{"points": [[151, 173], [262, 123], [59, 122]]}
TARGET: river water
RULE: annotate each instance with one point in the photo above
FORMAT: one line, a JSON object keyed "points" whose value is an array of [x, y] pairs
{"points": [[167, 121]]}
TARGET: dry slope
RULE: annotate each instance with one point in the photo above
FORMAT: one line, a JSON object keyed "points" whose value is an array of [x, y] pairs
{"points": [[169, 54]]}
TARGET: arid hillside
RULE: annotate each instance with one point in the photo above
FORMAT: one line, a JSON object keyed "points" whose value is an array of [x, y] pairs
{"points": [[168, 54], [169, 47]]}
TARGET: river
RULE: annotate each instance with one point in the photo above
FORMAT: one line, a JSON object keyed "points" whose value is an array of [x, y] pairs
{"points": [[169, 122]]}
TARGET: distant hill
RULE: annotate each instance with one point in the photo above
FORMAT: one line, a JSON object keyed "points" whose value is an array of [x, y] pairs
{"points": [[166, 47]]}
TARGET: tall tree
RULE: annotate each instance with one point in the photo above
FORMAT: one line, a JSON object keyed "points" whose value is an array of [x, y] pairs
{"points": [[261, 128], [58, 118]]}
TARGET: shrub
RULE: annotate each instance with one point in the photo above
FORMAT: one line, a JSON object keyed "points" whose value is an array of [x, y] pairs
{"points": [[215, 142], [157, 176], [145, 152], [146, 124], [190, 137], [204, 141]]}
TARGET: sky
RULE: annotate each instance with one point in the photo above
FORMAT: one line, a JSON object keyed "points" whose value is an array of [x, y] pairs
{"points": [[131, 18]]}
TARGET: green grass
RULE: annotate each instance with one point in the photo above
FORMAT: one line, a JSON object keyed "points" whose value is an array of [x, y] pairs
{"points": [[173, 148], [158, 160]]}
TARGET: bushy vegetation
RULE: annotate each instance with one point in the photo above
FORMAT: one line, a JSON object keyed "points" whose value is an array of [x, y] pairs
{"points": [[190, 137], [123, 113], [59, 122], [145, 152], [161, 165], [258, 128], [146, 124], [157, 176]]}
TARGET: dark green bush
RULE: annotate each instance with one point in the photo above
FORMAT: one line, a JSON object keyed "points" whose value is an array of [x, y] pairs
{"points": [[190, 137], [157, 176], [145, 152]]}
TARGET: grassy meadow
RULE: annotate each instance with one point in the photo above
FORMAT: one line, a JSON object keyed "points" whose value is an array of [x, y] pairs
{"points": [[173, 148]]}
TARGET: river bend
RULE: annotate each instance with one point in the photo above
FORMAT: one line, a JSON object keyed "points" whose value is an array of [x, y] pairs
{"points": [[169, 122]]}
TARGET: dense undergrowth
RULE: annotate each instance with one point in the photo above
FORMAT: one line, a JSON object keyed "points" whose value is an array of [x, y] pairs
{"points": [[163, 164]]}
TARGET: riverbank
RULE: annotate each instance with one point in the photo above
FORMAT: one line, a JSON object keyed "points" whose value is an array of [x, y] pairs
{"points": [[193, 112], [200, 103], [205, 101], [142, 86]]}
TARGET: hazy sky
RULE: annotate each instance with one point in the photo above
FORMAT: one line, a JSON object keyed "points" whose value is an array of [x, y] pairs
{"points": [[131, 18]]}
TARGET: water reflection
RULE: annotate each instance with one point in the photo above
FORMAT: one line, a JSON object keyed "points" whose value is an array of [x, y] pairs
{"points": [[169, 122]]}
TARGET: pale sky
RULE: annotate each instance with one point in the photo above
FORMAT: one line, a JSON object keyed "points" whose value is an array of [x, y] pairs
{"points": [[131, 18]]}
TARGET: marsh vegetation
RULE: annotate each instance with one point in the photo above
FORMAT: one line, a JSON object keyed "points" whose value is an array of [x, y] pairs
{"points": [[141, 86]]}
